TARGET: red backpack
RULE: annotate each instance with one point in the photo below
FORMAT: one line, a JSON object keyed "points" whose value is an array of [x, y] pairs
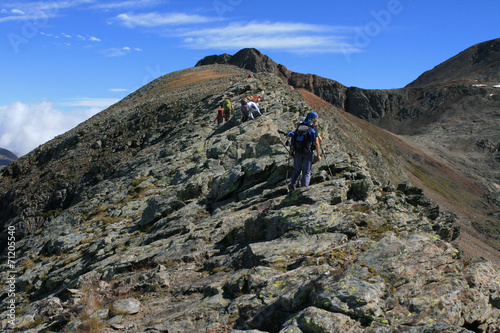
{"points": [[220, 115]]}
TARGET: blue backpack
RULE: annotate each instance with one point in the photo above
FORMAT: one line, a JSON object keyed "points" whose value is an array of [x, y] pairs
{"points": [[303, 139]]}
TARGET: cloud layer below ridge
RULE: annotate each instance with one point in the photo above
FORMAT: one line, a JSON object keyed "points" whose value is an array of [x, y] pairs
{"points": [[23, 127]]}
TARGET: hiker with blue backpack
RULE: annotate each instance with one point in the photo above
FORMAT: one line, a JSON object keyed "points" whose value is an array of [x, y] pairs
{"points": [[305, 140]]}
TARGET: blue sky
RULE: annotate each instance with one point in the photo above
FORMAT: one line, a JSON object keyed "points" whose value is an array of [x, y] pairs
{"points": [[65, 60]]}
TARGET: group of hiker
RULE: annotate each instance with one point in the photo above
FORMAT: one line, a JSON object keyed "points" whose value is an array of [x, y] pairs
{"points": [[304, 141], [225, 111], [248, 107]]}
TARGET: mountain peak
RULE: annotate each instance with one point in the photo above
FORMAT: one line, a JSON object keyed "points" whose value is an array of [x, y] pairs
{"points": [[6, 157], [479, 64], [248, 58]]}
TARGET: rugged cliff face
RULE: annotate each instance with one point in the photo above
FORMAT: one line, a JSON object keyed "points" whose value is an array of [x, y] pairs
{"points": [[151, 218]]}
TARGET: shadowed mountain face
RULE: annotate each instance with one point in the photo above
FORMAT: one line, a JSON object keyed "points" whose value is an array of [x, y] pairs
{"points": [[150, 217], [6, 157]]}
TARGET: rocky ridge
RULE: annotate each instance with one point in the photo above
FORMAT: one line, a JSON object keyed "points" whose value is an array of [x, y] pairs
{"points": [[450, 112], [150, 218]]}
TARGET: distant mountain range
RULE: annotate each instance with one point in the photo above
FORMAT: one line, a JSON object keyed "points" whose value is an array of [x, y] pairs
{"points": [[6, 157]]}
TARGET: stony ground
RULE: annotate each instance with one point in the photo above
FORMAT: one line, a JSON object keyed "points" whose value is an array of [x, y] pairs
{"points": [[151, 218]]}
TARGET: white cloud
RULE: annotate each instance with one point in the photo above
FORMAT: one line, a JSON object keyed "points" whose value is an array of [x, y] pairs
{"points": [[80, 37], [39, 11], [23, 127], [155, 19], [29, 11], [127, 4], [118, 90], [114, 52], [294, 37], [17, 11], [290, 37], [120, 52]]}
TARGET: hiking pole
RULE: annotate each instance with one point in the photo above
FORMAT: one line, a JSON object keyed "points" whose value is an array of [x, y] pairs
{"points": [[288, 157], [326, 160], [288, 151], [323, 152]]}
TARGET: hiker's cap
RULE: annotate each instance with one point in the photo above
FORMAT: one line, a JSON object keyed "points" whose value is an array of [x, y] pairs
{"points": [[310, 115]]}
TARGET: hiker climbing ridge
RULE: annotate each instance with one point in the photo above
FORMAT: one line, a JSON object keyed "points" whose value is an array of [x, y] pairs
{"points": [[228, 109], [304, 142], [248, 104], [220, 116]]}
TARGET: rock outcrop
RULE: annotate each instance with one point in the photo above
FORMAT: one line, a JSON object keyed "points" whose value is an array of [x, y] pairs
{"points": [[151, 218], [251, 59]]}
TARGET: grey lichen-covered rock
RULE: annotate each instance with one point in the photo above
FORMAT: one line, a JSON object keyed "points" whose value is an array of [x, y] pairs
{"points": [[313, 319], [126, 306], [356, 293], [100, 314], [172, 223]]}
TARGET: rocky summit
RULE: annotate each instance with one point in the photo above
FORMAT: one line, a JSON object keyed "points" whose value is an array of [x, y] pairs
{"points": [[151, 217]]}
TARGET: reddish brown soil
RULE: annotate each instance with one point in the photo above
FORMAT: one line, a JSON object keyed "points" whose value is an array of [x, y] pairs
{"points": [[464, 199]]}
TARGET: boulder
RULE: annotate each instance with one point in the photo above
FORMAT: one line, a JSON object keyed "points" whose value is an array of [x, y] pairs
{"points": [[126, 306]]}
